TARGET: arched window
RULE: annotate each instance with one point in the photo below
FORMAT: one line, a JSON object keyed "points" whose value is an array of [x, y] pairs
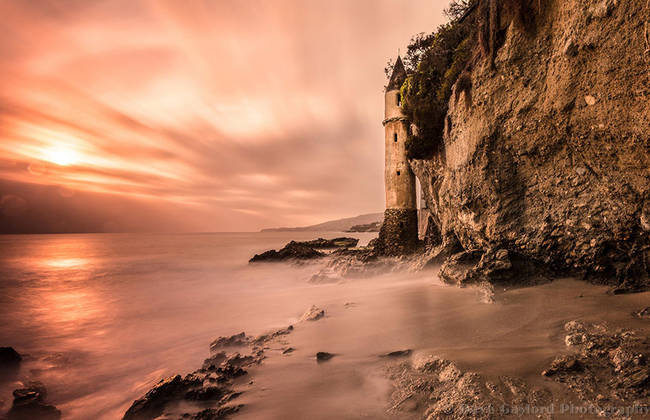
{"points": [[398, 173], [399, 99], [395, 137]]}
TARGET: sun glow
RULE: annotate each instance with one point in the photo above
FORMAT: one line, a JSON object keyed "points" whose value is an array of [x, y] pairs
{"points": [[61, 155]]}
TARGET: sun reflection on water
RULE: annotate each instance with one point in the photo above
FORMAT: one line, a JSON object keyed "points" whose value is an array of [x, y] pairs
{"points": [[66, 262]]}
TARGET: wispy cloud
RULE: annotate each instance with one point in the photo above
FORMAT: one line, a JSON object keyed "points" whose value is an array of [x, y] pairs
{"points": [[243, 113]]}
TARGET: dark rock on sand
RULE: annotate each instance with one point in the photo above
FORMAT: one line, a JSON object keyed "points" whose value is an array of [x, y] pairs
{"points": [[322, 356], [152, 404], [397, 353], [213, 385], [288, 350], [292, 251], [9, 357], [29, 403], [232, 341]]}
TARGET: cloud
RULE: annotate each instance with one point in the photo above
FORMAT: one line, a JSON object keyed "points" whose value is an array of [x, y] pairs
{"points": [[246, 114]]}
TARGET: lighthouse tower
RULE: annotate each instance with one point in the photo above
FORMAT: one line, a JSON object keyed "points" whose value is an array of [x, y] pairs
{"points": [[399, 232]]}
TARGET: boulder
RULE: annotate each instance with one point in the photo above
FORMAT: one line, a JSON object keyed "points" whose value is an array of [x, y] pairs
{"points": [[323, 356], [9, 357], [313, 314], [397, 353]]}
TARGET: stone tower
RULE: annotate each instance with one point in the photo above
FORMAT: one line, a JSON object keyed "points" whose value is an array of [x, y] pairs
{"points": [[399, 232]]}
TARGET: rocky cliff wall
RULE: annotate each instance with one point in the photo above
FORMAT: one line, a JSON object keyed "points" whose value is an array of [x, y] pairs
{"points": [[547, 155]]}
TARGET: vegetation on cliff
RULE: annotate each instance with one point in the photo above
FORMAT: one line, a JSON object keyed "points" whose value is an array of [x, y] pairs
{"points": [[434, 63], [438, 61]]}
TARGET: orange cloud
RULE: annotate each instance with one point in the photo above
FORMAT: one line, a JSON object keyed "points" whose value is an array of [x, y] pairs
{"points": [[242, 114]]}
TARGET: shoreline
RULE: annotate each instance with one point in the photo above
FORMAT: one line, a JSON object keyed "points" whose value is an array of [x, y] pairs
{"points": [[458, 359]]}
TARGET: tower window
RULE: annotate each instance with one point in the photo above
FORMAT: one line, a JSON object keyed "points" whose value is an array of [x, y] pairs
{"points": [[397, 172], [399, 99], [395, 137]]}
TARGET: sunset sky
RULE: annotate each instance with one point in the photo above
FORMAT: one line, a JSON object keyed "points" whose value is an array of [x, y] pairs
{"points": [[195, 115]]}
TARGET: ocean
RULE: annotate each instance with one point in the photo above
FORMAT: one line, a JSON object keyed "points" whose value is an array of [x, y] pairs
{"points": [[100, 318]]}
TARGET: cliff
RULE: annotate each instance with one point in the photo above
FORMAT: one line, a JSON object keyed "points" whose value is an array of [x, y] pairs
{"points": [[546, 153]]}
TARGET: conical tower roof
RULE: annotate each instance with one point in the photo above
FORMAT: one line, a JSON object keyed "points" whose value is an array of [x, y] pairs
{"points": [[398, 76]]}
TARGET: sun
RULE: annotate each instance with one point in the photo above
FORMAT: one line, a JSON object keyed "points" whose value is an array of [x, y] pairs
{"points": [[61, 155]]}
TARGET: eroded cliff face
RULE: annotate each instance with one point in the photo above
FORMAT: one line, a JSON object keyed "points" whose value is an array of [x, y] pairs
{"points": [[548, 155]]}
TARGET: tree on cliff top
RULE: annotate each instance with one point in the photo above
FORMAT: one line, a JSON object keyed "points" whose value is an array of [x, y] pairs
{"points": [[437, 61]]}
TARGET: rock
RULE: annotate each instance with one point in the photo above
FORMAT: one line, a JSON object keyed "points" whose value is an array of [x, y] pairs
{"points": [[570, 48], [575, 339], [212, 362], [313, 314], [29, 403], [151, 405], [590, 100], [603, 9], [433, 388], [320, 243], [206, 393], [622, 359], [9, 357], [644, 218], [288, 350], [637, 378], [322, 356], [574, 326], [292, 251], [370, 227], [215, 413], [232, 341], [397, 353], [264, 338], [643, 313], [563, 364]]}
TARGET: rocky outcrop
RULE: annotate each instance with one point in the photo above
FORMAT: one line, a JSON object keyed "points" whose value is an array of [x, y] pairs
{"points": [[606, 369], [210, 390], [306, 250], [433, 388], [369, 227], [342, 242], [292, 251], [547, 155]]}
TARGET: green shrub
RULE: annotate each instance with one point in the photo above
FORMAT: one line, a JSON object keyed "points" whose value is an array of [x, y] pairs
{"points": [[438, 61], [428, 87]]}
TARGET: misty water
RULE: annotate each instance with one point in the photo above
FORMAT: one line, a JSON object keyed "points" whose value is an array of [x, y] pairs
{"points": [[102, 318]]}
